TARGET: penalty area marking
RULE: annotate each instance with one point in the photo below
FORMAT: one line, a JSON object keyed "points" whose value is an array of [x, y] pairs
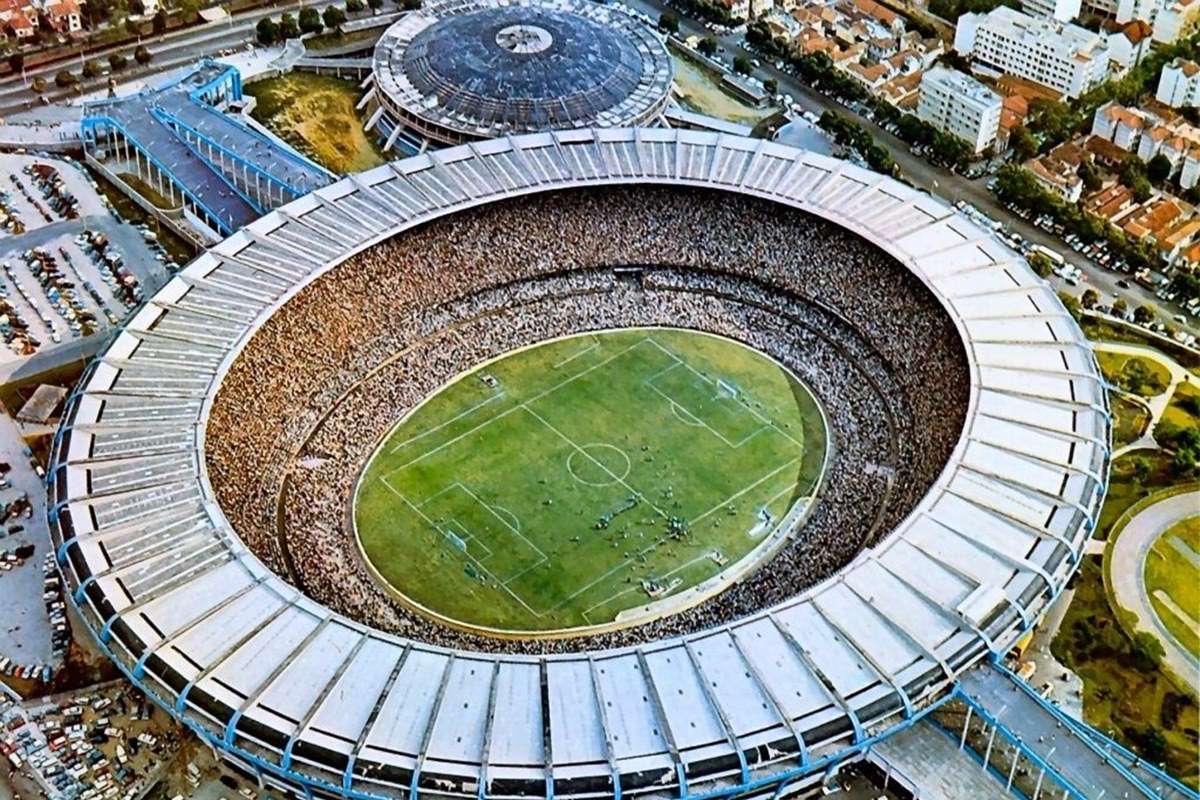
{"points": [[583, 450], [685, 416]]}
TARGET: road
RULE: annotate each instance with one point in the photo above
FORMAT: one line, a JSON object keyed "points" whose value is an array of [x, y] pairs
{"points": [[935, 180], [170, 51], [1128, 578]]}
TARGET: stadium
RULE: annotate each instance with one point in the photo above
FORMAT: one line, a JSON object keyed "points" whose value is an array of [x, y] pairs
{"points": [[946, 455], [461, 70]]}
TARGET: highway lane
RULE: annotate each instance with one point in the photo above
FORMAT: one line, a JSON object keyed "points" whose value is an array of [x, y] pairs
{"points": [[170, 51], [936, 180]]}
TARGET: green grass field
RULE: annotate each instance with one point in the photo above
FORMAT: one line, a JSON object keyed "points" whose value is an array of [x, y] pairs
{"points": [[1129, 419], [563, 484], [1142, 376], [1171, 568], [1178, 411]]}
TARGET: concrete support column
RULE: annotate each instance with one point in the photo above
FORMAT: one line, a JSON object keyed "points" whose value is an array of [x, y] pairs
{"points": [[962, 740], [1012, 770], [987, 756]]}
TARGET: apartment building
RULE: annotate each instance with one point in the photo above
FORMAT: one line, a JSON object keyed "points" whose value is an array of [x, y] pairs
{"points": [[1061, 10], [956, 103], [1067, 58], [1179, 84], [1170, 19]]}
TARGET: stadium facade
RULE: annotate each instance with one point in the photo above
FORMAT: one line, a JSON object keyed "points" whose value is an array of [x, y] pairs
{"points": [[314, 703], [462, 70]]}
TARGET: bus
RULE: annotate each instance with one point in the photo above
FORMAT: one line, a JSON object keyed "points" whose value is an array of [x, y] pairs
{"points": [[1054, 257]]}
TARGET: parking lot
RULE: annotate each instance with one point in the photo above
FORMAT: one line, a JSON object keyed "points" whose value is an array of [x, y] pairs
{"points": [[27, 637], [105, 741], [68, 267], [1126, 282]]}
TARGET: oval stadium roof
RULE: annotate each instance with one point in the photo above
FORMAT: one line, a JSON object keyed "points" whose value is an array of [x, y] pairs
{"points": [[282, 686]]}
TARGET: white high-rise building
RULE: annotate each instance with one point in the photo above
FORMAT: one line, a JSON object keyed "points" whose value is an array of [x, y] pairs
{"points": [[956, 103], [1179, 84], [1170, 19], [1061, 10], [1067, 58]]}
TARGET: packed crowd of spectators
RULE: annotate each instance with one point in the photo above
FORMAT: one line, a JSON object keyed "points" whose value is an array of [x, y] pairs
{"points": [[330, 374]]}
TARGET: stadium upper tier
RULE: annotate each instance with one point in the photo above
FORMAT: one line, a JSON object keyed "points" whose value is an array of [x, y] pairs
{"points": [[286, 688], [459, 70]]}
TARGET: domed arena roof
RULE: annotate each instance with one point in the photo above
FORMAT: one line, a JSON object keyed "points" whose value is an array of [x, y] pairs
{"points": [[468, 69]]}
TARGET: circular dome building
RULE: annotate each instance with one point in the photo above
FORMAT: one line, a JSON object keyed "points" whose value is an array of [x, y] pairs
{"points": [[474, 69]]}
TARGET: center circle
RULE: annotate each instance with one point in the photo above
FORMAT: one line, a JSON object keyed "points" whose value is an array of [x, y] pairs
{"points": [[598, 464], [524, 39], [593, 481]]}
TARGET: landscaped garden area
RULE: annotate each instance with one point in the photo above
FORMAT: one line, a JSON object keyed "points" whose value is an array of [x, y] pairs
{"points": [[316, 115]]}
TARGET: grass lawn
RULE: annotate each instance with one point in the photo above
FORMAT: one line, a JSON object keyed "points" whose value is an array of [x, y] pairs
{"points": [[1123, 491], [1177, 412], [1129, 420], [699, 91], [1118, 697], [328, 41], [315, 114], [565, 483], [1135, 374], [1171, 569], [1104, 331]]}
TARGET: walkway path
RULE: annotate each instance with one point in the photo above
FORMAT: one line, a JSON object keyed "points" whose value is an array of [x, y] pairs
{"points": [[1157, 404], [1127, 581]]}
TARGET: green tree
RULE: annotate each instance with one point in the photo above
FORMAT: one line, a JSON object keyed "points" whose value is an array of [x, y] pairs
{"points": [[1143, 315], [1152, 745], [333, 17], [1071, 303], [1190, 403], [91, 70], [707, 46], [1139, 471], [160, 21], [266, 31], [288, 29], [1042, 265], [16, 61], [142, 55], [64, 79], [743, 65], [410, 5], [1147, 651], [354, 6], [117, 62], [1090, 176], [375, 4], [669, 21], [1158, 169], [771, 86], [38, 84], [1090, 298], [1120, 307], [1133, 175], [310, 20]]}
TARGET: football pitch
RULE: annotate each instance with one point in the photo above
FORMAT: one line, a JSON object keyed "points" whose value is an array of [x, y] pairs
{"points": [[563, 484]]}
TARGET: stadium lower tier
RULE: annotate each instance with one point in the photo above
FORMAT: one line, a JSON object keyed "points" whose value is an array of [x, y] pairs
{"points": [[198, 486]]}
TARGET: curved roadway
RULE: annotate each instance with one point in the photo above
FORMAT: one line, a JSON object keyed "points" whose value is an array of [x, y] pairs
{"points": [[1127, 578]]}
